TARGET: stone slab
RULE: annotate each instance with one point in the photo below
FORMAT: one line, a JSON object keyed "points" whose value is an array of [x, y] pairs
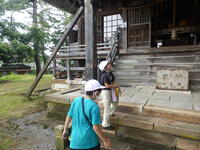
{"points": [[196, 107], [140, 100], [57, 99], [146, 91], [170, 113], [130, 108], [172, 78], [185, 144]]}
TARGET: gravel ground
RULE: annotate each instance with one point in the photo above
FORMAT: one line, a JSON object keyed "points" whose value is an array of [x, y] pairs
{"points": [[34, 132]]}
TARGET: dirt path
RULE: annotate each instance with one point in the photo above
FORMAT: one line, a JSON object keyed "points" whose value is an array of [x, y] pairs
{"points": [[34, 132]]}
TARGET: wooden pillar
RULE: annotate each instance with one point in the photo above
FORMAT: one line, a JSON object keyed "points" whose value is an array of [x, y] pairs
{"points": [[174, 35], [90, 40], [79, 31], [124, 34], [68, 68], [54, 68]]}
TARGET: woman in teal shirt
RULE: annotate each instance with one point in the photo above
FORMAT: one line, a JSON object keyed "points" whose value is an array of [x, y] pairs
{"points": [[86, 120]]}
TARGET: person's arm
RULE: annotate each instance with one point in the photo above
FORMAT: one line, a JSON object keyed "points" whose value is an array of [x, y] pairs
{"points": [[105, 140], [67, 122]]}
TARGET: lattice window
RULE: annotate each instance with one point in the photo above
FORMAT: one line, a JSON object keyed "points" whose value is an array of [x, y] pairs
{"points": [[112, 24], [139, 15]]}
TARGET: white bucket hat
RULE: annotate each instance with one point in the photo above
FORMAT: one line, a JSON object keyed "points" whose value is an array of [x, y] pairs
{"points": [[103, 64], [93, 85]]}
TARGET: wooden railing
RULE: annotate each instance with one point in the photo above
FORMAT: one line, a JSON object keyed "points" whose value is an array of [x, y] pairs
{"points": [[109, 50], [79, 50]]}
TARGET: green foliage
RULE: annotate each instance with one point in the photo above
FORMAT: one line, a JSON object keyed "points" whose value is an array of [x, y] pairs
{"points": [[18, 52], [5, 49], [19, 45], [16, 5], [22, 52], [2, 8]]}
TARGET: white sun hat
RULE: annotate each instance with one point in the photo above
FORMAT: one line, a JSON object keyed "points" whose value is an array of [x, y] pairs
{"points": [[93, 85], [103, 64]]}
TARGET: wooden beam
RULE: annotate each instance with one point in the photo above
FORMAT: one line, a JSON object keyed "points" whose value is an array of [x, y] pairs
{"points": [[60, 43], [90, 40]]}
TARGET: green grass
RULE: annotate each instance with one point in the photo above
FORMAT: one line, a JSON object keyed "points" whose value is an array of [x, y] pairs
{"points": [[13, 102]]}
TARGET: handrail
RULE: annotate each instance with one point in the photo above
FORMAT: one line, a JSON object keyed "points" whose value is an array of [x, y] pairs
{"points": [[114, 50]]}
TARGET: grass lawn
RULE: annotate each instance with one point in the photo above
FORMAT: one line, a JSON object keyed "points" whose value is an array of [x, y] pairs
{"points": [[13, 102]]}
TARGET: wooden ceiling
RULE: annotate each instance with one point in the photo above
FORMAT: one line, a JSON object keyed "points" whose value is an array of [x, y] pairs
{"points": [[70, 6]]}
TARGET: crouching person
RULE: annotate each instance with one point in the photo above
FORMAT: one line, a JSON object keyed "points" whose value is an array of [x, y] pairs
{"points": [[86, 120]]}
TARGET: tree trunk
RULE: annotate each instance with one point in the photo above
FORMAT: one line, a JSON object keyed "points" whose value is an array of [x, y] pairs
{"points": [[44, 59], [36, 44]]}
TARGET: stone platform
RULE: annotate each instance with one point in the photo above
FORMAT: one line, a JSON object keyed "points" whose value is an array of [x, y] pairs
{"points": [[151, 118], [176, 105]]}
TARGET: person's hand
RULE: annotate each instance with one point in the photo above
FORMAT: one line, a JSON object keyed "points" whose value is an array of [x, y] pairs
{"points": [[107, 143], [120, 91], [64, 134]]}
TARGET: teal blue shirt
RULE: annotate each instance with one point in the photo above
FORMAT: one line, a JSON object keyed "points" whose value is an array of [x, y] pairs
{"points": [[83, 135]]}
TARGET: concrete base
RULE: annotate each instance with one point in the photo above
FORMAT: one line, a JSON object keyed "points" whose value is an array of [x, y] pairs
{"points": [[57, 110]]}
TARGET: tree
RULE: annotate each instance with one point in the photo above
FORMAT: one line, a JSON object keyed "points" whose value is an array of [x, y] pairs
{"points": [[28, 43], [4, 51], [18, 52], [35, 40]]}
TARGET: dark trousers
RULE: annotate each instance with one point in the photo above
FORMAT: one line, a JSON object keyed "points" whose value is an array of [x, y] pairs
{"points": [[94, 148]]}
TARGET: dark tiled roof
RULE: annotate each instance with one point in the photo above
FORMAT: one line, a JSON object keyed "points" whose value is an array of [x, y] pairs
{"points": [[70, 6], [13, 67]]}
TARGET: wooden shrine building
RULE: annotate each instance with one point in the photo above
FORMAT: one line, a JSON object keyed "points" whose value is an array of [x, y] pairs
{"points": [[151, 43], [147, 35], [163, 33]]}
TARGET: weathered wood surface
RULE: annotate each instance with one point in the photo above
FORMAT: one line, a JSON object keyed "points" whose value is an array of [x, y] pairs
{"points": [[90, 40], [152, 140], [172, 113], [185, 144], [133, 70], [168, 126]]}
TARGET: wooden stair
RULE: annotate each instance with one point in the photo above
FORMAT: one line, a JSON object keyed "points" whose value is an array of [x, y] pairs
{"points": [[140, 69]]}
